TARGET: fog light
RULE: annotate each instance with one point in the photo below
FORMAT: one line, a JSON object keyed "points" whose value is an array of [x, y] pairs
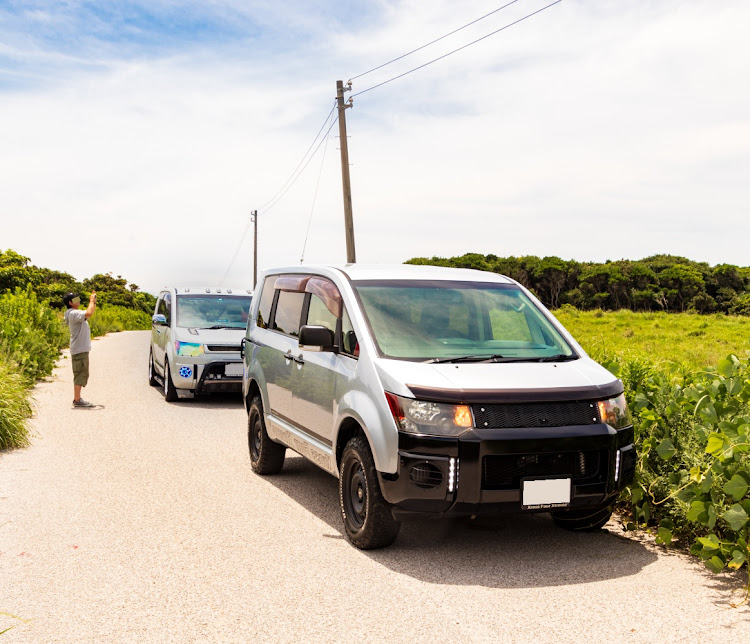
{"points": [[452, 474], [426, 475], [618, 457]]}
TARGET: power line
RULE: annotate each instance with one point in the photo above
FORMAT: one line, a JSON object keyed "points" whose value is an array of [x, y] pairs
{"points": [[474, 42], [236, 253], [284, 185], [432, 42], [315, 198], [287, 184]]}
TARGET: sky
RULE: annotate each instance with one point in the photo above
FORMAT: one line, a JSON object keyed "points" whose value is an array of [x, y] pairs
{"points": [[138, 137]]}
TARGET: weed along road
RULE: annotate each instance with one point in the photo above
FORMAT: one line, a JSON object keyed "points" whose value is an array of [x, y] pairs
{"points": [[141, 521]]}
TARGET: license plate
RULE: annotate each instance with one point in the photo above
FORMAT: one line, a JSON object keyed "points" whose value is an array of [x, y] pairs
{"points": [[545, 493], [234, 369]]}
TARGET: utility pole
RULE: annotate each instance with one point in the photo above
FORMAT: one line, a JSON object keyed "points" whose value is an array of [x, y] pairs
{"points": [[254, 219], [351, 256]]}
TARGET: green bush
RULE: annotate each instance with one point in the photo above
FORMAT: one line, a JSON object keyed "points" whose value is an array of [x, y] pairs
{"points": [[15, 408], [30, 333], [692, 433], [111, 319]]}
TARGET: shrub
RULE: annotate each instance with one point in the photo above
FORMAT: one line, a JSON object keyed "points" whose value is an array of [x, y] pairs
{"points": [[693, 440], [30, 333], [111, 319], [15, 408]]}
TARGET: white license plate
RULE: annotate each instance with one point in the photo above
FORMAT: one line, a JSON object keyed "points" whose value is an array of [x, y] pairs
{"points": [[234, 369], [545, 493]]}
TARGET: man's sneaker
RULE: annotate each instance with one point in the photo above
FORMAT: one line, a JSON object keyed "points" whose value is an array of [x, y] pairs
{"points": [[82, 403]]}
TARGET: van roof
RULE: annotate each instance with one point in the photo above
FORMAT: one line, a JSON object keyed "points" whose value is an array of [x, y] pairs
{"points": [[356, 272], [210, 290]]}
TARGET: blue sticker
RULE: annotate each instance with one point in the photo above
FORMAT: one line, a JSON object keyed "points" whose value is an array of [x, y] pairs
{"points": [[186, 372]]}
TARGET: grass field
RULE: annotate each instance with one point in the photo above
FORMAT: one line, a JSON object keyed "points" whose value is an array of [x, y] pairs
{"points": [[690, 339]]}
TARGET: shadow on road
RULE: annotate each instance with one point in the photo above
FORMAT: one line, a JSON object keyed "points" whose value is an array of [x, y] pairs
{"points": [[516, 551], [208, 401]]}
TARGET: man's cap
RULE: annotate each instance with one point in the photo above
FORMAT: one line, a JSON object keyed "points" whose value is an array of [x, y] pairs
{"points": [[69, 297]]}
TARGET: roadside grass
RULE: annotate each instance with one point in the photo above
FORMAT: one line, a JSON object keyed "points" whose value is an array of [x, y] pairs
{"points": [[15, 407], [688, 341]]}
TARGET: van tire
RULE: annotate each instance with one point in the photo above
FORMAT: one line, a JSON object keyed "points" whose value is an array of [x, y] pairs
{"points": [[170, 391], [367, 515], [266, 455], [151, 375], [583, 520]]}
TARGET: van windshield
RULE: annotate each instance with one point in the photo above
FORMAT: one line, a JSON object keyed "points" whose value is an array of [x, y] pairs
{"points": [[212, 311], [441, 321]]}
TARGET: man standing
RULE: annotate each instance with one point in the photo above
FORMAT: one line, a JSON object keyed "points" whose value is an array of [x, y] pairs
{"points": [[80, 342]]}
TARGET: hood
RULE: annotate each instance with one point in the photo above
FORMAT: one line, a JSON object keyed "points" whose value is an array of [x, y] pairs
{"points": [[581, 379]]}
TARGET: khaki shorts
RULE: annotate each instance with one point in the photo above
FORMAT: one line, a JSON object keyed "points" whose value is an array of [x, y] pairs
{"points": [[80, 368]]}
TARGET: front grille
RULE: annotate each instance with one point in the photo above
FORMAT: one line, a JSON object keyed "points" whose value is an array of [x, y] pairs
{"points": [[505, 471], [224, 348], [552, 414]]}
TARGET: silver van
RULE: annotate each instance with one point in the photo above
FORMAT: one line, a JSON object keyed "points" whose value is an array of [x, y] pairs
{"points": [[196, 335], [431, 392]]}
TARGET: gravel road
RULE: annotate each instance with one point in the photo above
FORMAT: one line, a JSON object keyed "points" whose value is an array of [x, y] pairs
{"points": [[142, 522]]}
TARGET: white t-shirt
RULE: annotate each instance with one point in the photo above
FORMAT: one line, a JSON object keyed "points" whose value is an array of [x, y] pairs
{"points": [[80, 333]]}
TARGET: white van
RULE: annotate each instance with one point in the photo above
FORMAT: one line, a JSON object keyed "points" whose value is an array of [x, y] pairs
{"points": [[196, 335], [431, 391]]}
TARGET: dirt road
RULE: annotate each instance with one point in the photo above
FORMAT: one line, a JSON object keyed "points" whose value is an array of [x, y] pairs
{"points": [[142, 522]]}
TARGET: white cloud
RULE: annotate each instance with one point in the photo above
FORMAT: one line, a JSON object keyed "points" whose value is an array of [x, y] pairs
{"points": [[592, 131]]}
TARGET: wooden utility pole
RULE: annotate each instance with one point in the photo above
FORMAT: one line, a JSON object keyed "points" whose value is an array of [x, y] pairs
{"points": [[254, 217], [351, 256]]}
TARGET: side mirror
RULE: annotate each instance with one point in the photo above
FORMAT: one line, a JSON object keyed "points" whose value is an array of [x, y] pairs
{"points": [[316, 338], [242, 348], [159, 319]]}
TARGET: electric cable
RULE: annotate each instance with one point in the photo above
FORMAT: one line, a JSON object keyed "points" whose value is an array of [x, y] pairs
{"points": [[474, 42], [432, 42], [315, 198], [285, 188], [322, 127]]}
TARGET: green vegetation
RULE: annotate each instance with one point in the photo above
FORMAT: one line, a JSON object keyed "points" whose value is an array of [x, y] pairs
{"points": [[32, 330], [692, 423], [659, 283], [689, 341]]}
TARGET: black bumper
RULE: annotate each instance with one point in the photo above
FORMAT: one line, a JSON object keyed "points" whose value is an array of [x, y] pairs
{"points": [[482, 471], [214, 379]]}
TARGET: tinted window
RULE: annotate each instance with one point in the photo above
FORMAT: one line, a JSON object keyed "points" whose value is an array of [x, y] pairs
{"points": [[288, 312], [319, 315], [348, 337], [266, 301]]}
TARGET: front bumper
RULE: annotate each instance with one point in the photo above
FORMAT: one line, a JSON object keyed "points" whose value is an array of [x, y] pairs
{"points": [[191, 378], [481, 472]]}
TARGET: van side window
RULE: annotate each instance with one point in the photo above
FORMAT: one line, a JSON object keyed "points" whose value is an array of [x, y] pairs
{"points": [[266, 301], [164, 308], [319, 315], [288, 312], [348, 337]]}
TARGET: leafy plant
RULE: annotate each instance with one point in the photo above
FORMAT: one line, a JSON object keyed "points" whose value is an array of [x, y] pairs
{"points": [[693, 474]]}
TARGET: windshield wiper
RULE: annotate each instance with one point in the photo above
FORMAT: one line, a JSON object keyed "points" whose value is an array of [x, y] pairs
{"points": [[222, 326], [560, 357], [483, 358]]}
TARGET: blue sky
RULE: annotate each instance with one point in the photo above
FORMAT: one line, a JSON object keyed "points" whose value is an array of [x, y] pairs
{"points": [[138, 136]]}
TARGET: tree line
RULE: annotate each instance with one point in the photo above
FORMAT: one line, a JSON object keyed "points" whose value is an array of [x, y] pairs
{"points": [[657, 283], [16, 271]]}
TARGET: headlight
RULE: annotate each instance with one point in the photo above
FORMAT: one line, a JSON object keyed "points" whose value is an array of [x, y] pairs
{"points": [[188, 348], [615, 412], [423, 417]]}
